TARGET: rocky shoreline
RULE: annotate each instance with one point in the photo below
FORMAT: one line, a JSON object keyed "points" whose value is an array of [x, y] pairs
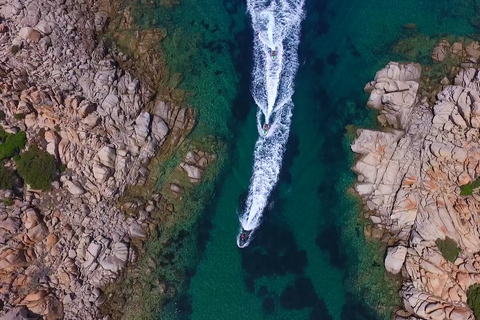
{"points": [[411, 175], [67, 91]]}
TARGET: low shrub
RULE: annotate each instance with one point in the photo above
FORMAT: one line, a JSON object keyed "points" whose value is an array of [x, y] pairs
{"points": [[11, 144], [473, 299], [8, 202], [467, 189], [19, 116], [6, 177], [37, 168], [448, 248], [62, 168], [14, 49]]}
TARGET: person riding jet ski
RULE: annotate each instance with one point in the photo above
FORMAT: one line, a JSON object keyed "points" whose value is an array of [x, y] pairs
{"points": [[244, 238], [265, 128], [274, 54]]}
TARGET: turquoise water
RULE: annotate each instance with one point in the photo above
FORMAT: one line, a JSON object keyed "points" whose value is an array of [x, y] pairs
{"points": [[309, 259]]}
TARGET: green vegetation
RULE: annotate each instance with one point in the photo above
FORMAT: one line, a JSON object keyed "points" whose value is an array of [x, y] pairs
{"points": [[37, 168], [6, 177], [10, 143], [14, 49], [448, 248], [467, 189], [8, 202], [473, 299], [19, 116]]}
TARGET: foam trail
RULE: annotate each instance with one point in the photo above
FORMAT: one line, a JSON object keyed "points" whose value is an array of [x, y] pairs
{"points": [[276, 24]]}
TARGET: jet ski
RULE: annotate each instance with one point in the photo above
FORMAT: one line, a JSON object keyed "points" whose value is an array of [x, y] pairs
{"points": [[244, 238], [274, 54], [265, 128]]}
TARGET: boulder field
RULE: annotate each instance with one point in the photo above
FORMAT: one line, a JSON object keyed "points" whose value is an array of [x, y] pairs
{"points": [[65, 89]]}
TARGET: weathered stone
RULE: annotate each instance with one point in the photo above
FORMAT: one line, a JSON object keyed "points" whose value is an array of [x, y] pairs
{"points": [[74, 188], [159, 128], [28, 33], [18, 313], [136, 231], [395, 259]]}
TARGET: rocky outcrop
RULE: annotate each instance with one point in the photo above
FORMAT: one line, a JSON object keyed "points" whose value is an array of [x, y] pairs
{"points": [[194, 165], [68, 93], [409, 176]]}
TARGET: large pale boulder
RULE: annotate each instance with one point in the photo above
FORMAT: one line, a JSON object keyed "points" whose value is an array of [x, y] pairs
{"points": [[44, 27], [120, 250], [86, 108], [28, 33], [91, 120], [109, 103], [142, 127], [112, 263], [395, 259], [440, 52], [52, 142], [38, 233], [193, 172], [106, 156], [101, 173], [136, 231], [74, 188], [159, 128]]}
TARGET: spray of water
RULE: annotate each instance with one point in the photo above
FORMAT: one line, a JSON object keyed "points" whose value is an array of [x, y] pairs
{"points": [[276, 24]]}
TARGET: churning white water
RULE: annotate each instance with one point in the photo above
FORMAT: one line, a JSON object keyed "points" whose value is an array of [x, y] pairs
{"points": [[276, 27]]}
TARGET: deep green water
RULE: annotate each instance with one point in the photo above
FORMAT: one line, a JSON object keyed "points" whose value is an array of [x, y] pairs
{"points": [[309, 259]]}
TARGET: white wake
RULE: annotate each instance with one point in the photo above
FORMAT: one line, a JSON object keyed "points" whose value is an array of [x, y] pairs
{"points": [[276, 26]]}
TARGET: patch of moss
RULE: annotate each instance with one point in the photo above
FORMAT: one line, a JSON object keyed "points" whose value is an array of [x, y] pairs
{"points": [[37, 168], [11, 144], [14, 49], [473, 299], [448, 248], [467, 189], [8, 202], [19, 116]]}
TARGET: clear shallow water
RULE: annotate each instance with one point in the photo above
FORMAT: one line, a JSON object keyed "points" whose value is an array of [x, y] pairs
{"points": [[309, 259]]}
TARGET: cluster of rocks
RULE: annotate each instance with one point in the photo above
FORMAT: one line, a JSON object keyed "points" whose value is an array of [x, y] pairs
{"points": [[409, 175], [59, 85], [468, 52]]}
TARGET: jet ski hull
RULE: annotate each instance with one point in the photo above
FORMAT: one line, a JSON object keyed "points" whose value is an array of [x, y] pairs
{"points": [[244, 238]]}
